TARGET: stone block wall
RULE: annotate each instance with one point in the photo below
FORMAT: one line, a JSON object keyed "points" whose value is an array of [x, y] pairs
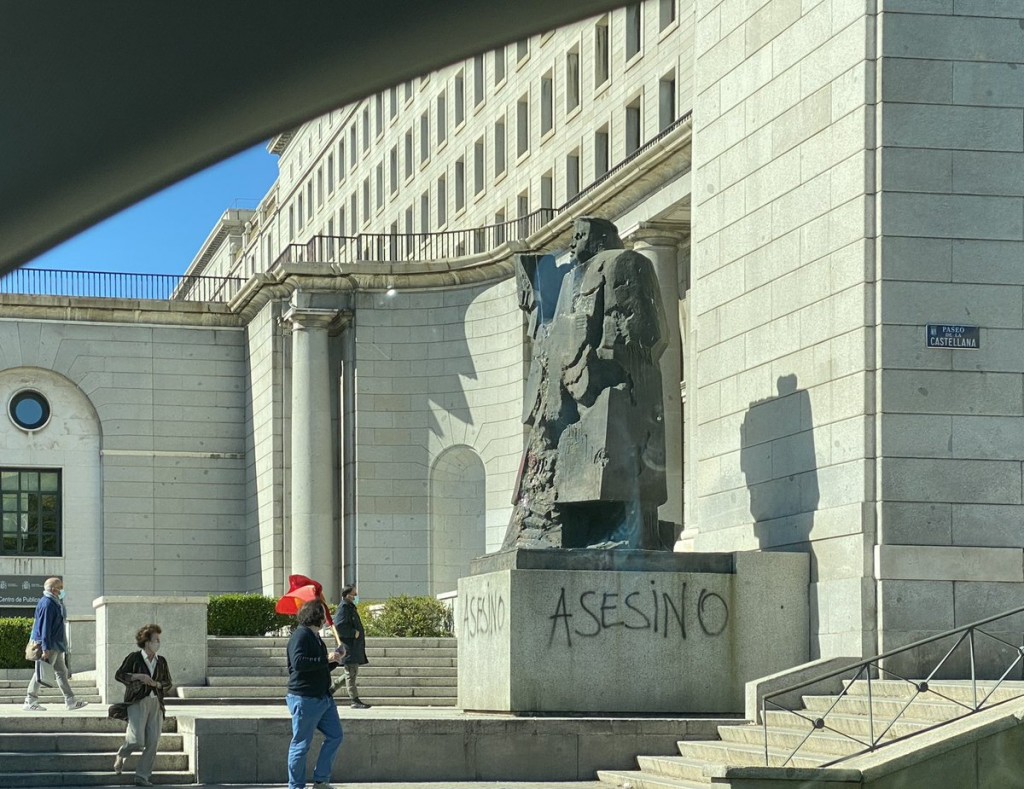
{"points": [[782, 296], [435, 371]]}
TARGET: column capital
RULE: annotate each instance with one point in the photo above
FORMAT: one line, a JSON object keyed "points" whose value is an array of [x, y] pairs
{"points": [[297, 318], [660, 234]]}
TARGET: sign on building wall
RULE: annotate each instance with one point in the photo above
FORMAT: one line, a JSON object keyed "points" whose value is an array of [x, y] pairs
{"points": [[21, 591], [941, 335]]}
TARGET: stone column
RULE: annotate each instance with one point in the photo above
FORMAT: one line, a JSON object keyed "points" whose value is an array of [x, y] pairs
{"points": [[314, 549], [659, 243]]}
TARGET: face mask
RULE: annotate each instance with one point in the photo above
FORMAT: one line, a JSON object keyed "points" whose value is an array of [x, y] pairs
{"points": [[153, 646], [60, 595], [355, 600]]}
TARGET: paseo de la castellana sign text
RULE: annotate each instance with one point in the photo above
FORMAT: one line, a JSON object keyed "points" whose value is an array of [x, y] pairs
{"points": [[951, 335]]}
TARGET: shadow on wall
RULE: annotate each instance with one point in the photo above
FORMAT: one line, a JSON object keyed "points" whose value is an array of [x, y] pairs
{"points": [[778, 462]]}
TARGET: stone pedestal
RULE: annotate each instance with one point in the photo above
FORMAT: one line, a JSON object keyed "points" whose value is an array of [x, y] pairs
{"points": [[183, 643], [82, 632], [627, 631]]}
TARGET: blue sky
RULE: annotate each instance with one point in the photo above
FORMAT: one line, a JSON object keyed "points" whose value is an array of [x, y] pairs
{"points": [[162, 234]]}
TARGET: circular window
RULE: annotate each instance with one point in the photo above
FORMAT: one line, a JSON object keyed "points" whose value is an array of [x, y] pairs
{"points": [[29, 410]]}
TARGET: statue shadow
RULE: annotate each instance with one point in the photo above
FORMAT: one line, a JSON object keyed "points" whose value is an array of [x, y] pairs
{"points": [[779, 464]]}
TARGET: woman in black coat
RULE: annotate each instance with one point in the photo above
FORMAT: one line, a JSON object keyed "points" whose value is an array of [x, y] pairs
{"points": [[350, 631]]}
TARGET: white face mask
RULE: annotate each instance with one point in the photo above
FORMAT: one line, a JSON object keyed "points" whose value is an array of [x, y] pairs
{"points": [[153, 646]]}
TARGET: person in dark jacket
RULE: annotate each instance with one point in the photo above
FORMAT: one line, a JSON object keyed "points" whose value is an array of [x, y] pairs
{"points": [[309, 700], [147, 679], [350, 631], [48, 632]]}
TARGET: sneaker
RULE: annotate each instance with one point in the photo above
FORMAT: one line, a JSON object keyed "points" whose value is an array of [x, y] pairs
{"points": [[34, 706], [140, 781], [77, 705], [336, 686], [118, 764], [358, 705]]}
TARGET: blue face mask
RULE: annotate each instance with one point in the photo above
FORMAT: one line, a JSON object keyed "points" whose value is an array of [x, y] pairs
{"points": [[355, 600], [60, 595]]}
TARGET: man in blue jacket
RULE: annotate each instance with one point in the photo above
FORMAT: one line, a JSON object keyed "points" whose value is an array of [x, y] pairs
{"points": [[309, 700], [48, 632]]}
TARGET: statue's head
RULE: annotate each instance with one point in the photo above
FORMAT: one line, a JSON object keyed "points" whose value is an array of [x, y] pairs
{"points": [[592, 235]]}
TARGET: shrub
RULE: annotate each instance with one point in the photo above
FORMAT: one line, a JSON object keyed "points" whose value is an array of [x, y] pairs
{"points": [[407, 617], [14, 635], [244, 615]]}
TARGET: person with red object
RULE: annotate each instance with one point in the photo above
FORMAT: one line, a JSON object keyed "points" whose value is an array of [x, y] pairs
{"points": [[302, 590]]}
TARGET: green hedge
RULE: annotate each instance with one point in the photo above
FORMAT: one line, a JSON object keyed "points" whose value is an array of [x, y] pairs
{"points": [[244, 615], [407, 617], [14, 634]]}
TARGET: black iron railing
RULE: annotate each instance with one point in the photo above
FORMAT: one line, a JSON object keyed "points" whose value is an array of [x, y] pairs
{"points": [[446, 244], [996, 668], [118, 285]]}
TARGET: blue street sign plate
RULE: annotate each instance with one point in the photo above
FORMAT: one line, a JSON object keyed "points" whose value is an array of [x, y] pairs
{"points": [[954, 336]]}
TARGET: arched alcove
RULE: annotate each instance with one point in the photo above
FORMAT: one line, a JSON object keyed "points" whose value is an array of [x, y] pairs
{"points": [[457, 516]]}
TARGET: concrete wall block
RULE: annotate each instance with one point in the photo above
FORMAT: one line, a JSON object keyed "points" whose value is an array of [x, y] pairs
{"points": [[917, 170], [989, 84], [931, 302], [977, 600], [918, 259], [917, 81], [770, 100], [949, 563], [955, 481], [904, 347], [987, 524], [916, 435], [984, 172], [845, 50], [953, 216], [769, 22], [940, 126], [797, 41], [844, 604], [916, 605], [803, 121], [987, 261], [949, 37], [913, 523], [1013, 9], [987, 437], [753, 73]]}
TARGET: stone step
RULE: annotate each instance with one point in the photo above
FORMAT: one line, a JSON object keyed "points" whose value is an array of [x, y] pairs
{"points": [[85, 742], [364, 671], [279, 691], [742, 755], [958, 690], [86, 762], [807, 740], [858, 725], [637, 779], [885, 710], [48, 698], [21, 684], [369, 681], [100, 778], [281, 642], [678, 767], [423, 662], [19, 723], [376, 701]]}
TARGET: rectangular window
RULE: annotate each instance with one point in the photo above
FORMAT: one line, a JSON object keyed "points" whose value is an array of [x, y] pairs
{"points": [[409, 221], [291, 223], [341, 160], [330, 173], [442, 119], [320, 187], [632, 127], [425, 213], [408, 154], [634, 14], [499, 228], [301, 213], [341, 221], [309, 200], [460, 184], [393, 169], [478, 80], [523, 125], [366, 200], [499, 65], [442, 201], [666, 13], [601, 144], [30, 512], [478, 166], [379, 127], [460, 98], [393, 96], [602, 64], [380, 185], [499, 147], [547, 189], [522, 215], [424, 138], [353, 151], [354, 215], [547, 104], [572, 175], [408, 90], [572, 80], [522, 50], [366, 129], [666, 101]]}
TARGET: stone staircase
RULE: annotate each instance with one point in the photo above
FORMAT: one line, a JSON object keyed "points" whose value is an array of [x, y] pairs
{"points": [[12, 691], [401, 672], [78, 750], [744, 745]]}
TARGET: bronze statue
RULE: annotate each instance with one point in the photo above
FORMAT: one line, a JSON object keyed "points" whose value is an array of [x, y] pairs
{"points": [[593, 471]]}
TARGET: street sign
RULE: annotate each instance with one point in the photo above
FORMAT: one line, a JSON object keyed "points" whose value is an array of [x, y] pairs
{"points": [[21, 591], [954, 336]]}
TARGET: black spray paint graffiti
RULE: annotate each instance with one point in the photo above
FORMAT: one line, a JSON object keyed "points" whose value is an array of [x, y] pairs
{"points": [[655, 611], [483, 614]]}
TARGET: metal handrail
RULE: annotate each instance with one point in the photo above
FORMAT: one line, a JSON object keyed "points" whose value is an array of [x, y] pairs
{"points": [[118, 285], [864, 671], [445, 244]]}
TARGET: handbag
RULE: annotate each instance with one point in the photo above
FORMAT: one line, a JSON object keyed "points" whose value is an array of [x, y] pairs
{"points": [[33, 651]]}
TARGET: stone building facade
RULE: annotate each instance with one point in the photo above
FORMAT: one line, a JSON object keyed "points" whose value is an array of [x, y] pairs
{"points": [[850, 174]]}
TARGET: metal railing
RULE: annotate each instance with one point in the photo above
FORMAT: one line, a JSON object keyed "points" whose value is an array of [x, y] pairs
{"points": [[446, 244], [118, 285], [879, 730]]}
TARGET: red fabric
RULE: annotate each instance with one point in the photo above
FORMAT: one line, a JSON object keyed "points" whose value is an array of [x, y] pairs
{"points": [[301, 590]]}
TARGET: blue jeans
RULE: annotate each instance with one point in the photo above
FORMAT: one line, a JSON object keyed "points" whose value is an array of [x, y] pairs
{"points": [[308, 715]]}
